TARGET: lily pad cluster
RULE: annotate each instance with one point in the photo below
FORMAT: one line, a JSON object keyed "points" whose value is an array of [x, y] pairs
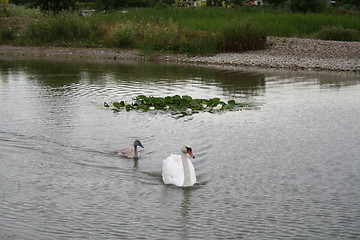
{"points": [[178, 104]]}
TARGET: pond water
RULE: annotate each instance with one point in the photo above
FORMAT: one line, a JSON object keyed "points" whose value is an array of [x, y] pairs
{"points": [[287, 169]]}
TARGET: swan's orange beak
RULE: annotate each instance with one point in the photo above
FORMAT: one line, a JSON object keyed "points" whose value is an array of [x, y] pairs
{"points": [[190, 153]]}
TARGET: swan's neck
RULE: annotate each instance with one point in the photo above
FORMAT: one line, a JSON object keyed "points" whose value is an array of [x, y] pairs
{"points": [[187, 178], [136, 155]]}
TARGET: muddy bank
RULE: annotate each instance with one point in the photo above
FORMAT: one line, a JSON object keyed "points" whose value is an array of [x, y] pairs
{"points": [[282, 53]]}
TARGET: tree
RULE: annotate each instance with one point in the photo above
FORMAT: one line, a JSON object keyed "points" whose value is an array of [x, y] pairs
{"points": [[20, 2], [237, 2], [105, 4], [117, 4], [305, 6], [53, 5], [276, 2], [352, 2]]}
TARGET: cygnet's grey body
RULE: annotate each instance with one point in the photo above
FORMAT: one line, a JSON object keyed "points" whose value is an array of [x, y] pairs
{"points": [[131, 152]]}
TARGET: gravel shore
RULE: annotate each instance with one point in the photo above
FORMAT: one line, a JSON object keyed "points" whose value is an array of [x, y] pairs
{"points": [[293, 54], [282, 53]]}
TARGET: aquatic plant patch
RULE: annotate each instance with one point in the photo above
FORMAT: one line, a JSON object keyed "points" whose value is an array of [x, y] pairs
{"points": [[183, 105]]}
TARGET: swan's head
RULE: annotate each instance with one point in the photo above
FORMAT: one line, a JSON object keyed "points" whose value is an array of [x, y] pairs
{"points": [[186, 148], [138, 143]]}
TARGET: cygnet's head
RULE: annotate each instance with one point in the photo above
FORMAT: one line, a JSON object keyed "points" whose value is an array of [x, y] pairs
{"points": [[138, 143], [186, 148]]}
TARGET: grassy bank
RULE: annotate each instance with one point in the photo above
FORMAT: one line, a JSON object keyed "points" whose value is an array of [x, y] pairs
{"points": [[276, 23], [192, 31]]}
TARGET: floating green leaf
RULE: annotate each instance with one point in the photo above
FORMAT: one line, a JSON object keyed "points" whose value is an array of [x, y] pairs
{"points": [[187, 98], [116, 104], [119, 104], [128, 107], [231, 102]]}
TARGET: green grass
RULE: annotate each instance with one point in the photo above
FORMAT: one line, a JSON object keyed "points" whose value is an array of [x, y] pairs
{"points": [[276, 23], [189, 30]]}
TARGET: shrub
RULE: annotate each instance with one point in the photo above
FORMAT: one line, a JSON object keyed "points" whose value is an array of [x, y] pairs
{"points": [[6, 35], [205, 45], [338, 34], [62, 28], [197, 42], [239, 37], [162, 36], [124, 36]]}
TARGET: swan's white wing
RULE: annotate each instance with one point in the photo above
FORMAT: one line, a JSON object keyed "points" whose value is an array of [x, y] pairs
{"points": [[172, 170]]}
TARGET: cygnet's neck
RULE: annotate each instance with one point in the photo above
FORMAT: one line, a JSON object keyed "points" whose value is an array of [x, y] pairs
{"points": [[135, 151]]}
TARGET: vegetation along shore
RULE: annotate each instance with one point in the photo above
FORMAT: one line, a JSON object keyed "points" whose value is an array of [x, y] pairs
{"points": [[273, 35]]}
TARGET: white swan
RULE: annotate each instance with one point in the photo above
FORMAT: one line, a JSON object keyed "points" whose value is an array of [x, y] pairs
{"points": [[178, 169], [131, 152]]}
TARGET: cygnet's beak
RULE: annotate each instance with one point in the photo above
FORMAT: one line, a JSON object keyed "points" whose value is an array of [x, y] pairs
{"points": [[141, 145]]}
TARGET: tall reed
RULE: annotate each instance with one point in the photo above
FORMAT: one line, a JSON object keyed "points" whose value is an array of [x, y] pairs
{"points": [[239, 37], [163, 36], [276, 23]]}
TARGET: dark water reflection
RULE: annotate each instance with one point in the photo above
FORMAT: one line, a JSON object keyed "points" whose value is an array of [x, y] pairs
{"points": [[287, 170], [57, 74]]}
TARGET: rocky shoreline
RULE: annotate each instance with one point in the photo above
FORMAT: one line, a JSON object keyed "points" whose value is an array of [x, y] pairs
{"points": [[282, 53]]}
